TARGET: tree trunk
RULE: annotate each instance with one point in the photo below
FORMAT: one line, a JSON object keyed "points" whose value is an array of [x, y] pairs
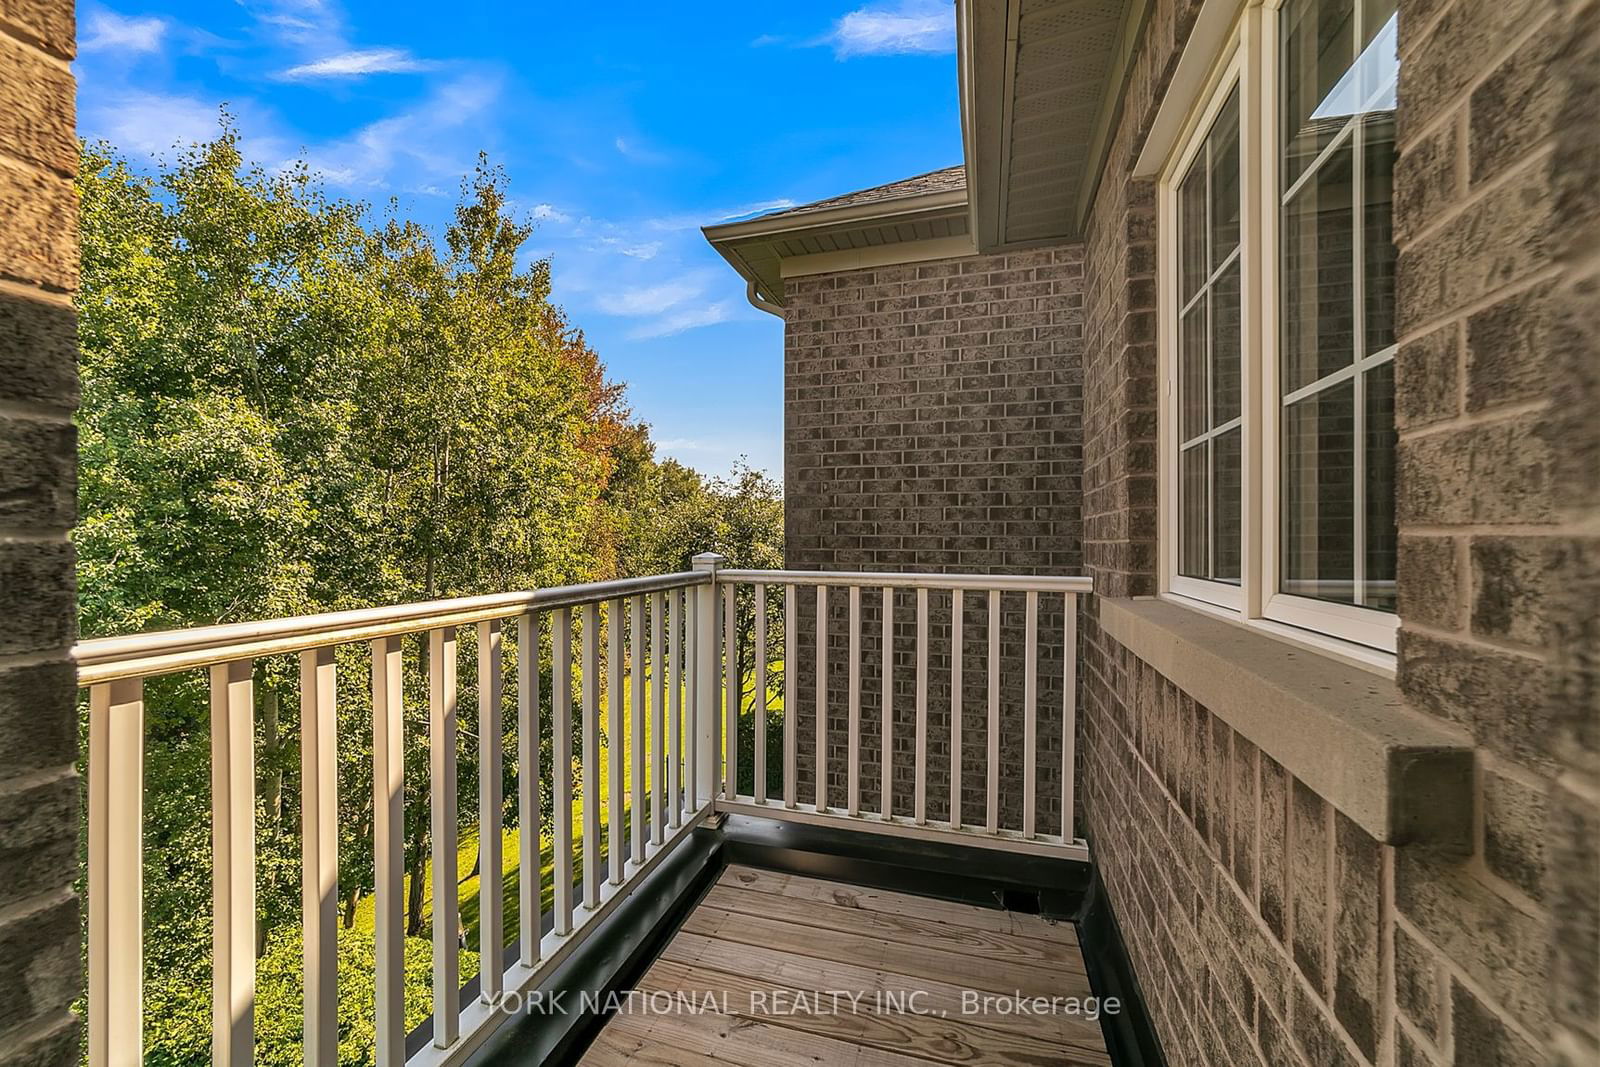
{"points": [[272, 786], [351, 899], [417, 869]]}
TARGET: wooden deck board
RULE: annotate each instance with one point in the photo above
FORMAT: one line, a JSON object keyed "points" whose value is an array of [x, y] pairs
{"points": [[808, 972], [994, 920], [768, 950], [898, 929]]}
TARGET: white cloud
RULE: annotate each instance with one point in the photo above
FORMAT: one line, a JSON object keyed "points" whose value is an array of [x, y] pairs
{"points": [[622, 246], [360, 63], [107, 31], [687, 319], [911, 26], [550, 213], [640, 154], [684, 444], [151, 123], [650, 299], [439, 138]]}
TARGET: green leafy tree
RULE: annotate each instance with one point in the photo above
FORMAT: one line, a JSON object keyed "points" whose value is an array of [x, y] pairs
{"points": [[289, 407]]}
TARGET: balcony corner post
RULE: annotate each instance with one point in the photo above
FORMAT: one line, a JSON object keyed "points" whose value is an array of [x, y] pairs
{"points": [[706, 658]]}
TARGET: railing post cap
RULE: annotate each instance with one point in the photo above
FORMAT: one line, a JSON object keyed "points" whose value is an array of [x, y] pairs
{"points": [[707, 561]]}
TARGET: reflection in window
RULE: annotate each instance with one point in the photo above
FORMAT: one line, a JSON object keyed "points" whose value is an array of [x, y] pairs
{"points": [[1209, 354], [1337, 525]]}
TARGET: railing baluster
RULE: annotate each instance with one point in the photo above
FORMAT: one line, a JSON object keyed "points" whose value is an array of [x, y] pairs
{"points": [[319, 864], [443, 814], [616, 727], [591, 754], [760, 781], [674, 682], [822, 698], [233, 857], [853, 737], [638, 657], [561, 729], [791, 710], [921, 799], [732, 690], [886, 727], [116, 878], [957, 604], [1030, 713], [691, 707], [530, 866], [491, 889], [658, 711], [993, 736], [1069, 718], [705, 655], [388, 850]]}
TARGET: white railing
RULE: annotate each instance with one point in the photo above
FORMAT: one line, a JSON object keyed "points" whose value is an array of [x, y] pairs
{"points": [[993, 594], [678, 656]]}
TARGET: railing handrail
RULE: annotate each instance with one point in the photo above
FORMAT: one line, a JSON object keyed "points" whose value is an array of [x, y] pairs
{"points": [[1009, 583], [106, 659]]}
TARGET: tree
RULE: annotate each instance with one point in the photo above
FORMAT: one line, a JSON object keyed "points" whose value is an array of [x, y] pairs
{"points": [[289, 407]]}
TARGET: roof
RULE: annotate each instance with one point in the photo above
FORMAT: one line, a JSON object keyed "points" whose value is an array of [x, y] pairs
{"points": [[950, 179], [924, 217], [1041, 84]]}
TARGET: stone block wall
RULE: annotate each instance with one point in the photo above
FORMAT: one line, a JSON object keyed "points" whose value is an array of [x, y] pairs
{"points": [[1498, 225], [39, 913], [1265, 926], [932, 415]]}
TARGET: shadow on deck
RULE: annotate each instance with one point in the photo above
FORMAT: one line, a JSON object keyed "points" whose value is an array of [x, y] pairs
{"points": [[774, 944]]}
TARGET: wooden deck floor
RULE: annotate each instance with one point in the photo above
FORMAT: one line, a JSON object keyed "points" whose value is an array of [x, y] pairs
{"points": [[769, 962]]}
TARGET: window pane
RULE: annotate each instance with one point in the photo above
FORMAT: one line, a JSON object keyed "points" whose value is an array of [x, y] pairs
{"points": [[1192, 229], [1378, 253], [1318, 519], [1225, 346], [1226, 516], [1224, 149], [1377, 68], [1318, 276], [1318, 40], [1381, 535], [1192, 494], [1192, 372]]}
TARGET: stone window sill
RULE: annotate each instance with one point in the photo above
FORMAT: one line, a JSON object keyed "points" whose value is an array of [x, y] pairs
{"points": [[1345, 732]]}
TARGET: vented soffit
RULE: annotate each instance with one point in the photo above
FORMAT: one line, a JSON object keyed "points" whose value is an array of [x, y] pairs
{"points": [[1041, 85]]}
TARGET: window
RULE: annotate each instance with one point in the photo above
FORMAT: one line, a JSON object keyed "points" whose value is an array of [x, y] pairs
{"points": [[1277, 325], [1210, 422]]}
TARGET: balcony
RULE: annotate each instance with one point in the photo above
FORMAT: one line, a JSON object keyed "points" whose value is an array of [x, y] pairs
{"points": [[727, 911]]}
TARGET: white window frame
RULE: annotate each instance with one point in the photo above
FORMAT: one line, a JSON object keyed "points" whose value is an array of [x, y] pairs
{"points": [[1246, 52]]}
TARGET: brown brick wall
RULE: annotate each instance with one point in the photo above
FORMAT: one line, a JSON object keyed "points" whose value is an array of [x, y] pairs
{"points": [[39, 920], [1266, 927], [932, 417]]}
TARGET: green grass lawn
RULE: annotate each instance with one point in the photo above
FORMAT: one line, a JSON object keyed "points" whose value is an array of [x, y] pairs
{"points": [[466, 853]]}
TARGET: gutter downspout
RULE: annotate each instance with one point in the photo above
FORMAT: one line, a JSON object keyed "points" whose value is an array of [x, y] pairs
{"points": [[760, 302]]}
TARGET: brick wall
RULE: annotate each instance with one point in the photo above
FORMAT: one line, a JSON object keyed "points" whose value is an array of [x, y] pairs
{"points": [[38, 391], [1496, 224], [1572, 884], [932, 416], [1265, 926]]}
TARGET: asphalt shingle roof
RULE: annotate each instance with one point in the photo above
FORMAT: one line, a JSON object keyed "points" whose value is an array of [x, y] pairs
{"points": [[950, 179]]}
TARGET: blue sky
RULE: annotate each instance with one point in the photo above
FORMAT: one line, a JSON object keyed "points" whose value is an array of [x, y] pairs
{"points": [[624, 127]]}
